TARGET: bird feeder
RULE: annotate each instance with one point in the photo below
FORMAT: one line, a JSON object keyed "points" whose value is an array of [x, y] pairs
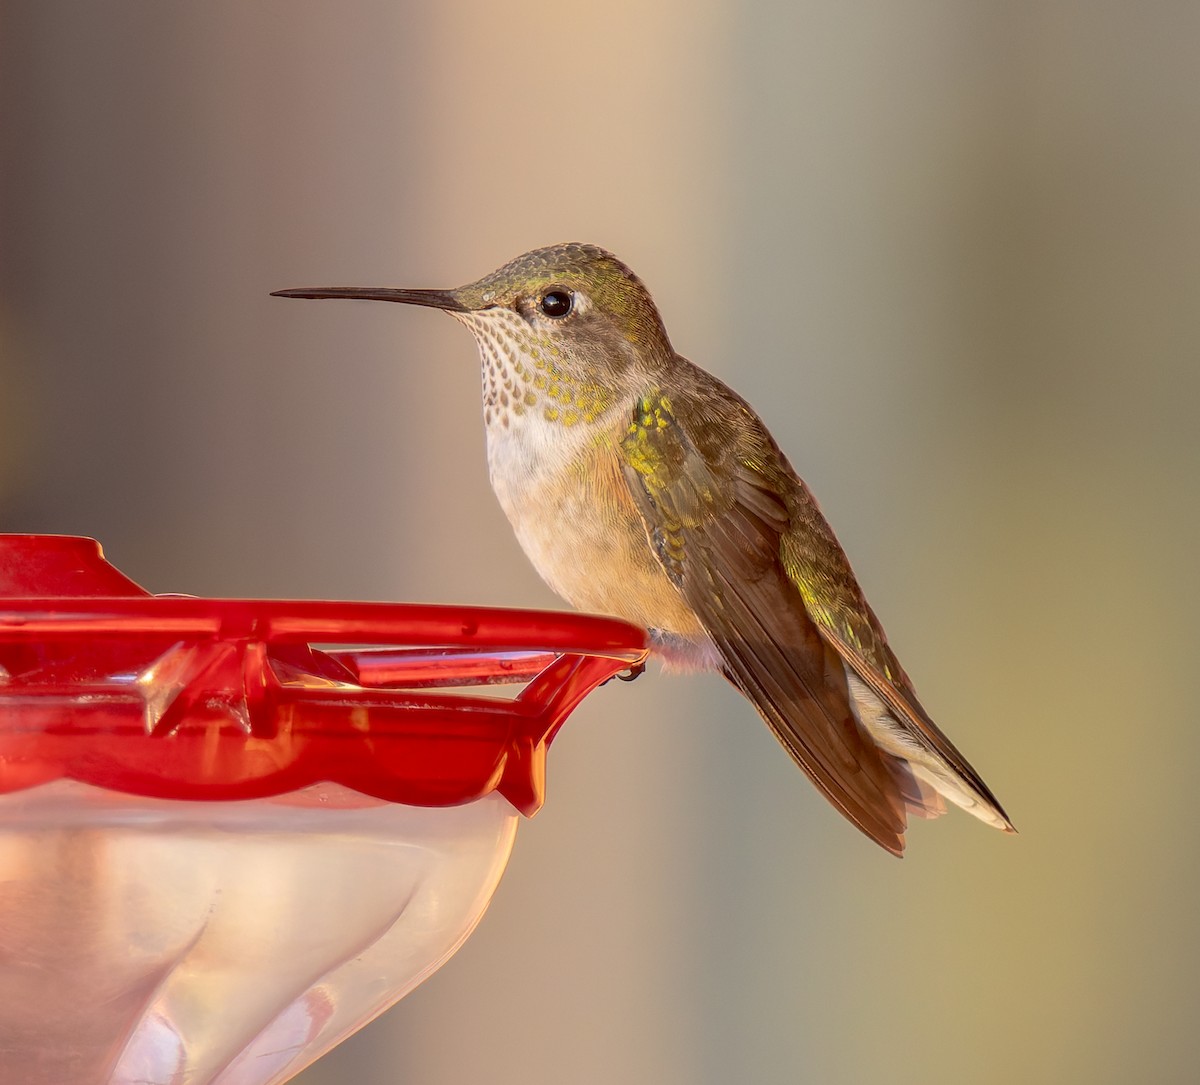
{"points": [[234, 831]]}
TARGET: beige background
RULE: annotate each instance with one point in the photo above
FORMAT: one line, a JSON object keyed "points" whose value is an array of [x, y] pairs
{"points": [[950, 250]]}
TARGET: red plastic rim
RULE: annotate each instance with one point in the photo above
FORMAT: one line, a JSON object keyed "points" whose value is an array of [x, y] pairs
{"points": [[234, 698]]}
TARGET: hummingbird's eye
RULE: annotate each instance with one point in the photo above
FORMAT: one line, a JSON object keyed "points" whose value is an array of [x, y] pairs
{"points": [[557, 303]]}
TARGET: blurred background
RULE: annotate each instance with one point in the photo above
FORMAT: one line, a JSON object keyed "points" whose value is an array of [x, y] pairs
{"points": [[950, 251]]}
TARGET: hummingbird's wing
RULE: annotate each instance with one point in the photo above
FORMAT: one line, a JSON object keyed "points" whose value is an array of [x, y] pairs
{"points": [[716, 522], [742, 539]]}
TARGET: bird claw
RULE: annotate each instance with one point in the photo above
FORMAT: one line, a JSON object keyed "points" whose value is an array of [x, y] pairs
{"points": [[636, 671]]}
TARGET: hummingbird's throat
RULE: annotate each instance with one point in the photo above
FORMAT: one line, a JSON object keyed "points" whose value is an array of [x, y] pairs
{"points": [[525, 379]]}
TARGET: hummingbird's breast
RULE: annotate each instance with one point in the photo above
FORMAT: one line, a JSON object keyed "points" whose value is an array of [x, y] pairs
{"points": [[564, 491]]}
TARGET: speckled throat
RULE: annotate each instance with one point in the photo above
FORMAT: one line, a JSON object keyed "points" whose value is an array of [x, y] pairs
{"points": [[524, 376]]}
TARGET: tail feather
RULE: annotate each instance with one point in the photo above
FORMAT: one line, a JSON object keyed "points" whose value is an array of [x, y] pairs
{"points": [[921, 798], [920, 771]]}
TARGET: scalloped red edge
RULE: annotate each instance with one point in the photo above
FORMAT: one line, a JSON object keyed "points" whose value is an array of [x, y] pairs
{"points": [[234, 699]]}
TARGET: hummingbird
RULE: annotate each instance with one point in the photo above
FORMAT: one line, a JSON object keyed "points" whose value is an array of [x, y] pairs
{"points": [[641, 486]]}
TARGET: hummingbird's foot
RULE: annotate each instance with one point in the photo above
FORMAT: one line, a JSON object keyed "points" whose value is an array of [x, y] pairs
{"points": [[636, 671]]}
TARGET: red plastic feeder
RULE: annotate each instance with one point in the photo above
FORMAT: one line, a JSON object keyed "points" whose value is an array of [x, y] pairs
{"points": [[234, 831]]}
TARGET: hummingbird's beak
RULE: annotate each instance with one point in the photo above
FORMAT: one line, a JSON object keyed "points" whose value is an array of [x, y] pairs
{"points": [[434, 299]]}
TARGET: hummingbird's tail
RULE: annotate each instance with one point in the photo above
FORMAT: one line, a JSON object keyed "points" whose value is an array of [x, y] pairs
{"points": [[925, 778], [921, 799]]}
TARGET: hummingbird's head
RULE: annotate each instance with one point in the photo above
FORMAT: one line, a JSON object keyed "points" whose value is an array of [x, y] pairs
{"points": [[563, 328], [575, 297]]}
